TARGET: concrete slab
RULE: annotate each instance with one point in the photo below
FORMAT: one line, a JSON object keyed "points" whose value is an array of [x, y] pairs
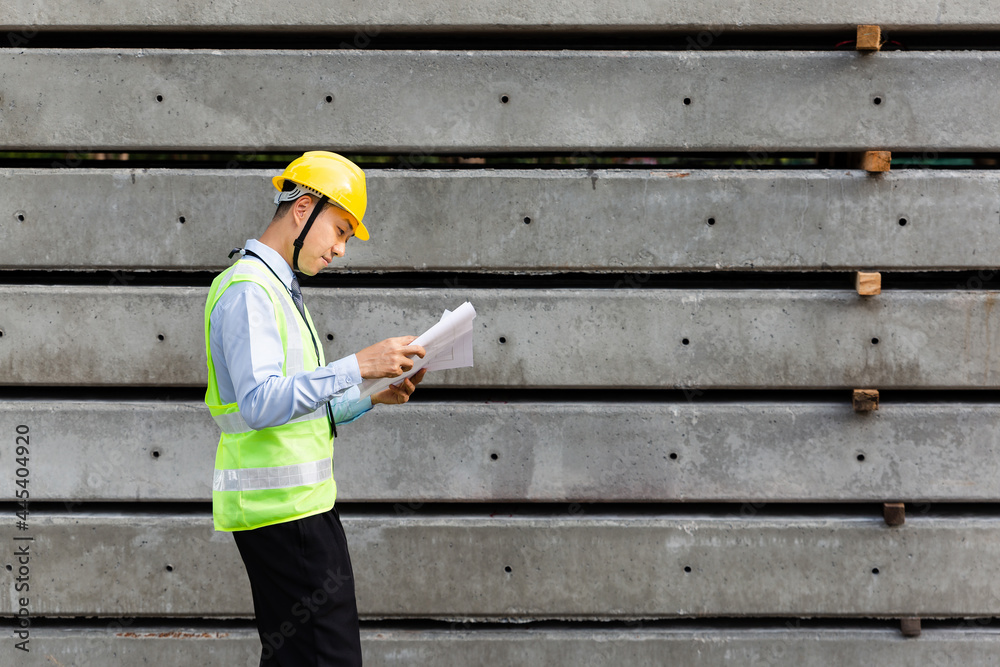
{"points": [[503, 566], [413, 103], [784, 646], [539, 338], [750, 453], [506, 15], [521, 220]]}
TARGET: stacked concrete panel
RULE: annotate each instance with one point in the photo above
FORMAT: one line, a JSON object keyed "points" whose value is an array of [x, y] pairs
{"points": [[500, 101], [443, 17], [634, 472], [594, 220]]}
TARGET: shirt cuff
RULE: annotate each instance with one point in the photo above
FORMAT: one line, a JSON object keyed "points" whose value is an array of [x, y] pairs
{"points": [[351, 407], [347, 372]]}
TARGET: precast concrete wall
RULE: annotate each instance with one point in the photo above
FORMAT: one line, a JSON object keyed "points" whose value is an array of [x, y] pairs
{"points": [[655, 459]]}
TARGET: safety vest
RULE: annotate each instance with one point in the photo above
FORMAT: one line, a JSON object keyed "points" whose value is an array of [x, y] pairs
{"points": [[278, 473]]}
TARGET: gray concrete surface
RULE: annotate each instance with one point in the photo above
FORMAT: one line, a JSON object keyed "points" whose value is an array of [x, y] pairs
{"points": [[474, 220], [609, 452], [791, 646], [539, 338], [449, 15], [418, 561], [589, 101], [566, 565]]}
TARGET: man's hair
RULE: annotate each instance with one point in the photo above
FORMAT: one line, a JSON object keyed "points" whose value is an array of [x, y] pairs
{"points": [[284, 206]]}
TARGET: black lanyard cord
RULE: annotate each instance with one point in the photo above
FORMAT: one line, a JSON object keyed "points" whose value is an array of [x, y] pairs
{"points": [[243, 251]]}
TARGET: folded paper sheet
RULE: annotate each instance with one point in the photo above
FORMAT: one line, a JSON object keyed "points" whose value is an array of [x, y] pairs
{"points": [[448, 344]]}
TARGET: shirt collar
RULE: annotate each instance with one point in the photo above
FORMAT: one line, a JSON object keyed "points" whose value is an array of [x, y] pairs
{"points": [[273, 259]]}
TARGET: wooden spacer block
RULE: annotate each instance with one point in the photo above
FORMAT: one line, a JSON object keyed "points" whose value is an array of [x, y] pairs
{"points": [[876, 161], [869, 38], [894, 513], [910, 627], [865, 400], [868, 284]]}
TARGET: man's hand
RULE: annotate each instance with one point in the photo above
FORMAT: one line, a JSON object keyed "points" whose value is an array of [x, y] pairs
{"points": [[390, 358], [393, 395]]}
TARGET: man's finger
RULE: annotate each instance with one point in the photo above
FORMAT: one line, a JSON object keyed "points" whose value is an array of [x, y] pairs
{"points": [[391, 394], [417, 377], [414, 349], [403, 392]]}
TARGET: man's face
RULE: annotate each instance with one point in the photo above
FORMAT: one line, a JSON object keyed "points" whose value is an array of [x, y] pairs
{"points": [[327, 238]]}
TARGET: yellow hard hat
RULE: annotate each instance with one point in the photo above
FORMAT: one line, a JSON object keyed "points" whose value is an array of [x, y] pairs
{"points": [[335, 176]]}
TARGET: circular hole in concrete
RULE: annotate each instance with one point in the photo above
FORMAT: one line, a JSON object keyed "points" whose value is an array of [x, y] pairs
{"points": [[159, 337], [502, 339], [329, 99], [20, 216], [504, 99], [159, 98], [874, 570], [329, 336], [527, 220], [874, 341], [685, 341], [10, 568], [494, 456], [1, 333], [170, 568], [687, 100], [687, 568], [902, 222], [673, 456], [861, 457], [710, 221], [877, 100], [507, 569], [155, 453], [182, 219]]}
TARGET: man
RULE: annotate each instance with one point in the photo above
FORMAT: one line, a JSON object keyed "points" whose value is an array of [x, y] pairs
{"points": [[278, 403]]}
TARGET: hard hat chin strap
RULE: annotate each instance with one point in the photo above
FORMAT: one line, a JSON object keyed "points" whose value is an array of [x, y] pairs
{"points": [[305, 230]]}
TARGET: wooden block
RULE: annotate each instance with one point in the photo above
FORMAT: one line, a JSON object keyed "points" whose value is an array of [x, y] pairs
{"points": [[876, 161], [865, 400], [910, 627], [869, 38], [894, 513], [868, 284]]}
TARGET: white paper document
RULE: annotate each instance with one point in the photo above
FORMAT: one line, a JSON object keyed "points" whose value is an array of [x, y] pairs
{"points": [[448, 345]]}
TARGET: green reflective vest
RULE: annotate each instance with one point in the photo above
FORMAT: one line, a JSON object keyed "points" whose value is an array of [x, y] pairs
{"points": [[278, 473]]}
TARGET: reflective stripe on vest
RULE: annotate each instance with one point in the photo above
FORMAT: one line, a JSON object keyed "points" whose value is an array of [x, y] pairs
{"points": [[233, 422], [277, 477]]}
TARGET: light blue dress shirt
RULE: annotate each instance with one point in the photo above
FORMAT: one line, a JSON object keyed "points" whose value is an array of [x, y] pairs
{"points": [[246, 349]]}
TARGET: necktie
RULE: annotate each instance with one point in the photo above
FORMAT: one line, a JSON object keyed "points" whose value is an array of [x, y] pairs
{"points": [[297, 299], [297, 296]]}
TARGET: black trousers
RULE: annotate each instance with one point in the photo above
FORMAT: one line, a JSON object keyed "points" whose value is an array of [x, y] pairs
{"points": [[303, 592]]}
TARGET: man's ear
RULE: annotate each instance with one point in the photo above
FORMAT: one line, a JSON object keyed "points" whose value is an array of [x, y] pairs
{"points": [[300, 210]]}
